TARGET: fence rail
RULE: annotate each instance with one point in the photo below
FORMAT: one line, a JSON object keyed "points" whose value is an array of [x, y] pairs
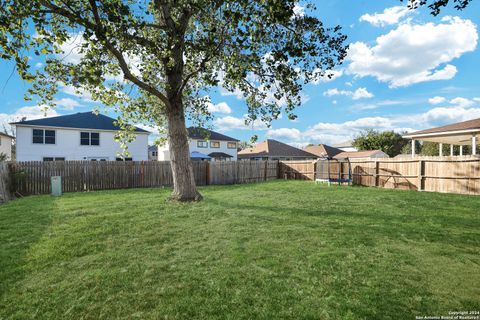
{"points": [[33, 177]]}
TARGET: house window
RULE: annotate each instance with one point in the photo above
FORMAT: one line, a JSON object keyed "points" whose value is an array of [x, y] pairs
{"points": [[232, 145], [202, 144], [214, 144], [43, 136], [124, 159], [53, 158], [89, 138]]}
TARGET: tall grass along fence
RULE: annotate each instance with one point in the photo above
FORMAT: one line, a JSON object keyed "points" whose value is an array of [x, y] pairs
{"points": [[452, 174], [33, 177]]}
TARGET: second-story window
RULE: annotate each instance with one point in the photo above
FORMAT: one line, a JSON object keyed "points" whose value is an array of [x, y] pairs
{"points": [[41, 136], [214, 144], [202, 144], [232, 145], [89, 138]]}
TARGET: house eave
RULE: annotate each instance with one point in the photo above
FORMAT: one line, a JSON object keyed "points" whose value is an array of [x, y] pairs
{"points": [[72, 128]]}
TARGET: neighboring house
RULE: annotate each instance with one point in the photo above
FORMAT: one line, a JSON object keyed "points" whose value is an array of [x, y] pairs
{"points": [[323, 151], [6, 145], [79, 136], [274, 150], [206, 144], [153, 153], [345, 146], [366, 154]]}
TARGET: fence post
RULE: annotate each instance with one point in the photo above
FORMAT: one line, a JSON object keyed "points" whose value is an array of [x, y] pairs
{"points": [[377, 172], [265, 171], [421, 175], [207, 173]]}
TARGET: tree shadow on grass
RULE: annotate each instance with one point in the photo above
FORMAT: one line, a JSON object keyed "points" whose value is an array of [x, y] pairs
{"points": [[22, 223]]}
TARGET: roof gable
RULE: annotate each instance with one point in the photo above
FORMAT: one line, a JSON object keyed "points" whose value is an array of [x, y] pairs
{"points": [[81, 120], [205, 134], [323, 150], [274, 148]]}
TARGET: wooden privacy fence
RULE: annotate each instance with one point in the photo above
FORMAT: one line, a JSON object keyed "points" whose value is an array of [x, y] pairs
{"points": [[452, 175], [33, 177]]}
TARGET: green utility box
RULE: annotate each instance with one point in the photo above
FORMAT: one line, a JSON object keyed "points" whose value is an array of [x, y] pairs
{"points": [[56, 185]]}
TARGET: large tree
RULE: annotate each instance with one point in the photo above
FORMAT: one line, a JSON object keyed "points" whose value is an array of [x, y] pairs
{"points": [[155, 60]]}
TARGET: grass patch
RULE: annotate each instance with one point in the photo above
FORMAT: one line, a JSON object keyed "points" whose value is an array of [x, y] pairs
{"points": [[283, 249]]}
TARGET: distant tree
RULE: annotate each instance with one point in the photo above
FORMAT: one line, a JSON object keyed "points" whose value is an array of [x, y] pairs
{"points": [[244, 145], [407, 148], [388, 141], [436, 6]]}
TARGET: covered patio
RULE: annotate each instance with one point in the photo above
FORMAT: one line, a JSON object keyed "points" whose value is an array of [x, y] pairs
{"points": [[461, 134]]}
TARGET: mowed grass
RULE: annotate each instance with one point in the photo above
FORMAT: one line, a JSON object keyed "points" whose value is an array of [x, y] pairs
{"points": [[276, 250]]}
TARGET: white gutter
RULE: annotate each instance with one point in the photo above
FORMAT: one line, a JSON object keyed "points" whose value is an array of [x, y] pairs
{"points": [[441, 133]]}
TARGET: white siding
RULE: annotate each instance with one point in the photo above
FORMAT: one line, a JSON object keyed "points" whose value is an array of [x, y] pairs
{"points": [[164, 154], [68, 146], [6, 146]]}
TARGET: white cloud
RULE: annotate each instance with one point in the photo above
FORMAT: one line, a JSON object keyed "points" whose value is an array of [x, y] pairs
{"points": [[291, 134], [360, 93], [414, 53], [67, 103], [38, 65], [299, 10], [329, 75], [71, 49], [437, 100], [388, 17], [230, 123], [221, 107], [28, 112], [462, 102], [77, 92]]}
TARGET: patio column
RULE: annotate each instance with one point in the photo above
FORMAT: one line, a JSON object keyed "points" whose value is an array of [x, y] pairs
{"points": [[440, 149], [413, 148], [474, 145], [461, 150], [451, 150]]}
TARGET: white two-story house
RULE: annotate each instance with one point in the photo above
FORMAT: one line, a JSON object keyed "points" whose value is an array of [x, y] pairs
{"points": [[79, 136], [205, 144]]}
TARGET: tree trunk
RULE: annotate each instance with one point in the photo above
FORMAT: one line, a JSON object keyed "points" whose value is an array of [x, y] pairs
{"points": [[184, 188]]}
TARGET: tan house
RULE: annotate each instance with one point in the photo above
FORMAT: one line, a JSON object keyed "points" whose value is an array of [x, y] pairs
{"points": [[274, 150], [323, 150], [6, 142], [461, 134]]}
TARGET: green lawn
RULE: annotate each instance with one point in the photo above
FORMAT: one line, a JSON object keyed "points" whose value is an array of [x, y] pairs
{"points": [[277, 250]]}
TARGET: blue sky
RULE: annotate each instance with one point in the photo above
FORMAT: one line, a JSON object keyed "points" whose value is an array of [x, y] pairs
{"points": [[405, 70]]}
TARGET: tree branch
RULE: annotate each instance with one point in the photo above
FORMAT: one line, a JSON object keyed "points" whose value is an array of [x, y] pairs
{"points": [[100, 34]]}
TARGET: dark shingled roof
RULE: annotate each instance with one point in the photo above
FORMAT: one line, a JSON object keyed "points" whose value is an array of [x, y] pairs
{"points": [[81, 120], [465, 125], [274, 148], [205, 134], [323, 151]]}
